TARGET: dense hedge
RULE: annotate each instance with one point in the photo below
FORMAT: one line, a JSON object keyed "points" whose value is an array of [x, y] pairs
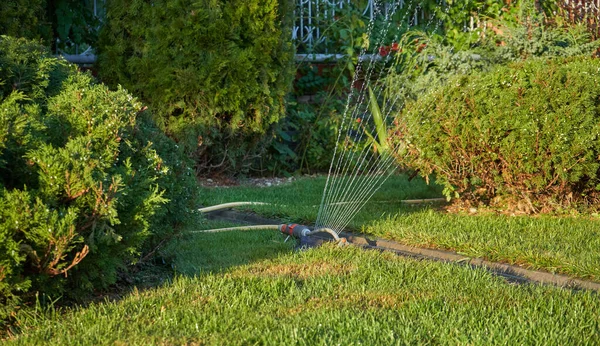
{"points": [[525, 136], [215, 72], [25, 18], [87, 182]]}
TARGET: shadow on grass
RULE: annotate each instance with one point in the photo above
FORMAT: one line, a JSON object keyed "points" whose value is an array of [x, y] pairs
{"points": [[201, 253], [193, 254]]}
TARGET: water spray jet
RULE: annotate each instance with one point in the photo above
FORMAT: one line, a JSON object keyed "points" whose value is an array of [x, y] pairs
{"points": [[355, 174]]}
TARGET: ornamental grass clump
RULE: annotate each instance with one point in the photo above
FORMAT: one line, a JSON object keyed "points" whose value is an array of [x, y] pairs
{"points": [[88, 185], [524, 137]]}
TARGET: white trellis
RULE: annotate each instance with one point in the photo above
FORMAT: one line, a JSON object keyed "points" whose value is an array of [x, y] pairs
{"points": [[312, 16], [584, 11]]}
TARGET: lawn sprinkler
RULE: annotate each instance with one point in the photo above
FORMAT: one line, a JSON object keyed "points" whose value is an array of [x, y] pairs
{"points": [[308, 238], [305, 237]]}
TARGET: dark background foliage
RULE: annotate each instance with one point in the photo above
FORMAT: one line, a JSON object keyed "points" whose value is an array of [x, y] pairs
{"points": [[65, 25], [215, 73]]}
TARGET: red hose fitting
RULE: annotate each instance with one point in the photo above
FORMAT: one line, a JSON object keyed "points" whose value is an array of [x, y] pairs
{"points": [[294, 230]]}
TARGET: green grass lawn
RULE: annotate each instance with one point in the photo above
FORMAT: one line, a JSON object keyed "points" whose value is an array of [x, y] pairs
{"points": [[562, 245], [559, 245], [248, 288], [299, 201]]}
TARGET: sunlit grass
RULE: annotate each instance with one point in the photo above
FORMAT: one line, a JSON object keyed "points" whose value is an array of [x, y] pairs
{"points": [[324, 296], [249, 287], [565, 245], [560, 245], [299, 200]]}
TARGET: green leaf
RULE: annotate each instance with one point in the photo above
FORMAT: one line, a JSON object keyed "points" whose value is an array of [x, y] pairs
{"points": [[380, 126]]}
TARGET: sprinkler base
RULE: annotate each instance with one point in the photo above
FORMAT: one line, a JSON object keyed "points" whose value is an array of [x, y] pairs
{"points": [[309, 239], [309, 242], [316, 240]]}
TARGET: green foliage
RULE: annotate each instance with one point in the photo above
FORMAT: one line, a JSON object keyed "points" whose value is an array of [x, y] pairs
{"points": [[24, 18], [525, 134], [87, 182], [74, 23], [26, 66], [343, 33], [61, 24], [534, 38], [380, 138], [305, 139], [426, 62], [214, 72]]}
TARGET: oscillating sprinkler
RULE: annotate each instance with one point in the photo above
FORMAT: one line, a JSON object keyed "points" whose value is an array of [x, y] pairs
{"points": [[308, 237]]}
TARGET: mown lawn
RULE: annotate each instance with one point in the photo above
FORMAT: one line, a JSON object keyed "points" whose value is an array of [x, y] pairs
{"points": [[566, 245], [299, 201], [249, 288]]}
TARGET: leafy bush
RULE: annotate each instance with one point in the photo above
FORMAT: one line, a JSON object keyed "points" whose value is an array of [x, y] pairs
{"points": [[215, 72], [305, 140], [87, 182], [525, 135], [426, 62]]}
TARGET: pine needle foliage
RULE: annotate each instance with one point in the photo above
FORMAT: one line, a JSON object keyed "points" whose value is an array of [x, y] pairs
{"points": [[88, 184], [215, 72]]}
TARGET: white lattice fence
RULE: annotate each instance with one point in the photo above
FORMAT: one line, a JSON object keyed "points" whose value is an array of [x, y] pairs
{"points": [[583, 11], [313, 16]]}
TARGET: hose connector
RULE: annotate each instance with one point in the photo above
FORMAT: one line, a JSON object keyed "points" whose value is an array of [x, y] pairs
{"points": [[294, 230]]}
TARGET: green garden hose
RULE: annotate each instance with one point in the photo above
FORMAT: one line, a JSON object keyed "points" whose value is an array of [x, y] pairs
{"points": [[241, 204]]}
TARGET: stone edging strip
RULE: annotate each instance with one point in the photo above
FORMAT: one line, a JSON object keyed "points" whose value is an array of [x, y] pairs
{"points": [[509, 271]]}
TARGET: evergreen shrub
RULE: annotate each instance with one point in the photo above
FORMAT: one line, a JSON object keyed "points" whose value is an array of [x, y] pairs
{"points": [[524, 136], [214, 72], [88, 184], [25, 18]]}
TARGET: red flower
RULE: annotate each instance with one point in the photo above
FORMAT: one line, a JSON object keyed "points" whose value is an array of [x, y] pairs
{"points": [[384, 50], [395, 47], [358, 120]]}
